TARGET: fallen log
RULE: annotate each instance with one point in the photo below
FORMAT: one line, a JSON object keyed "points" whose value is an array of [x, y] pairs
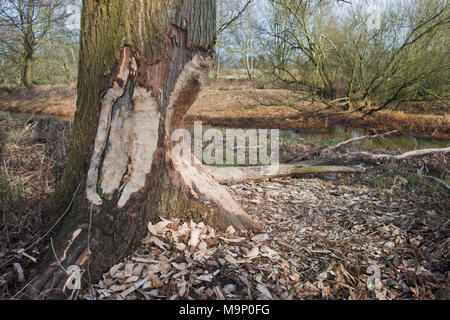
{"points": [[238, 174], [369, 157], [349, 163], [353, 140], [322, 151]]}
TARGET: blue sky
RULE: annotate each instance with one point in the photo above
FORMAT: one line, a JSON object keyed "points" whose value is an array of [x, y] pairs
{"points": [[73, 22]]}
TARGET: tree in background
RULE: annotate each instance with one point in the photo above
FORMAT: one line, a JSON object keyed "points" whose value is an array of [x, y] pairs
{"points": [[406, 59], [31, 25], [330, 50], [229, 15], [243, 41]]}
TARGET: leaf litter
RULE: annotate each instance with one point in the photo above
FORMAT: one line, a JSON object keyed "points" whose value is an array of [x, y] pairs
{"points": [[319, 242], [321, 236]]}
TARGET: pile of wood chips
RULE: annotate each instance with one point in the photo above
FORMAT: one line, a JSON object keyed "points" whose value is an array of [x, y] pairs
{"points": [[320, 241]]}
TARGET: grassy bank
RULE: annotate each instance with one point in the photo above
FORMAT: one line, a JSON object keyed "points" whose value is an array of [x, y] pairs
{"points": [[42, 100]]}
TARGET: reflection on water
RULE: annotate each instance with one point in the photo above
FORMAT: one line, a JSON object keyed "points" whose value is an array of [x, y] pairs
{"points": [[336, 134]]}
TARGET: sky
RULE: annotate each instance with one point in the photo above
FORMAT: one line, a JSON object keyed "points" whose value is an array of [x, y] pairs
{"points": [[73, 22]]}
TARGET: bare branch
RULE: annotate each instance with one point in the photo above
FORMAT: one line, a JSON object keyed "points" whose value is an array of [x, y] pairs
{"points": [[234, 18]]}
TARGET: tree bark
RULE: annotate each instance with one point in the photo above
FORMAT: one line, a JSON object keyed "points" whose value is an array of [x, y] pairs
{"points": [[26, 76], [142, 64]]}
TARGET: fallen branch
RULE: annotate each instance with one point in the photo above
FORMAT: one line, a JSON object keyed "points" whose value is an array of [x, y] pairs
{"points": [[440, 181], [343, 164], [368, 157], [320, 151], [337, 146], [239, 174]]}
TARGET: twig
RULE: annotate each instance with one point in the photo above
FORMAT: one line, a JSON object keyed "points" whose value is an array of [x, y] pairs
{"points": [[233, 19], [21, 290], [50, 230], [440, 181], [56, 257]]}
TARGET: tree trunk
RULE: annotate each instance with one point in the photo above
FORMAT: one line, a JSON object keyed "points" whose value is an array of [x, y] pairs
{"points": [[26, 76], [142, 64]]}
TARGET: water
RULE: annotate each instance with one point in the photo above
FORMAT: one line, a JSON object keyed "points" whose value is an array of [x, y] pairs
{"points": [[333, 135], [338, 133]]}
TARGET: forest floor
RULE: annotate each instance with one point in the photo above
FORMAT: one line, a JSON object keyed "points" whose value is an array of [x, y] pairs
{"points": [[241, 104], [383, 234]]}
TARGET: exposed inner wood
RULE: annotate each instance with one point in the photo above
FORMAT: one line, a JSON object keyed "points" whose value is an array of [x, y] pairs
{"points": [[202, 186], [144, 125], [129, 137], [126, 65]]}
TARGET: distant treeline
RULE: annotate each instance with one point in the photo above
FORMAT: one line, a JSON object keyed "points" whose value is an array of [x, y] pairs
{"points": [[360, 54]]}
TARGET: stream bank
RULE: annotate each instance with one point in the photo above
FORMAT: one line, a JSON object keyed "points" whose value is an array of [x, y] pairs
{"points": [[238, 105], [332, 134]]}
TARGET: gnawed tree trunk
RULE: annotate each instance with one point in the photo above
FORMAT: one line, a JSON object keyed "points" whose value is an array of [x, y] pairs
{"points": [[142, 65]]}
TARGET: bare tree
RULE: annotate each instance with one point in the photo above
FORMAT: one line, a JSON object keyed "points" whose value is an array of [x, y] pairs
{"points": [[31, 24], [242, 41], [298, 25], [228, 15], [404, 59], [345, 61]]}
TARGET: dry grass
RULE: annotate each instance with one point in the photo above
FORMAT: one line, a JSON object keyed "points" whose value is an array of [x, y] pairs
{"points": [[430, 125], [241, 106], [32, 158], [45, 100]]}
